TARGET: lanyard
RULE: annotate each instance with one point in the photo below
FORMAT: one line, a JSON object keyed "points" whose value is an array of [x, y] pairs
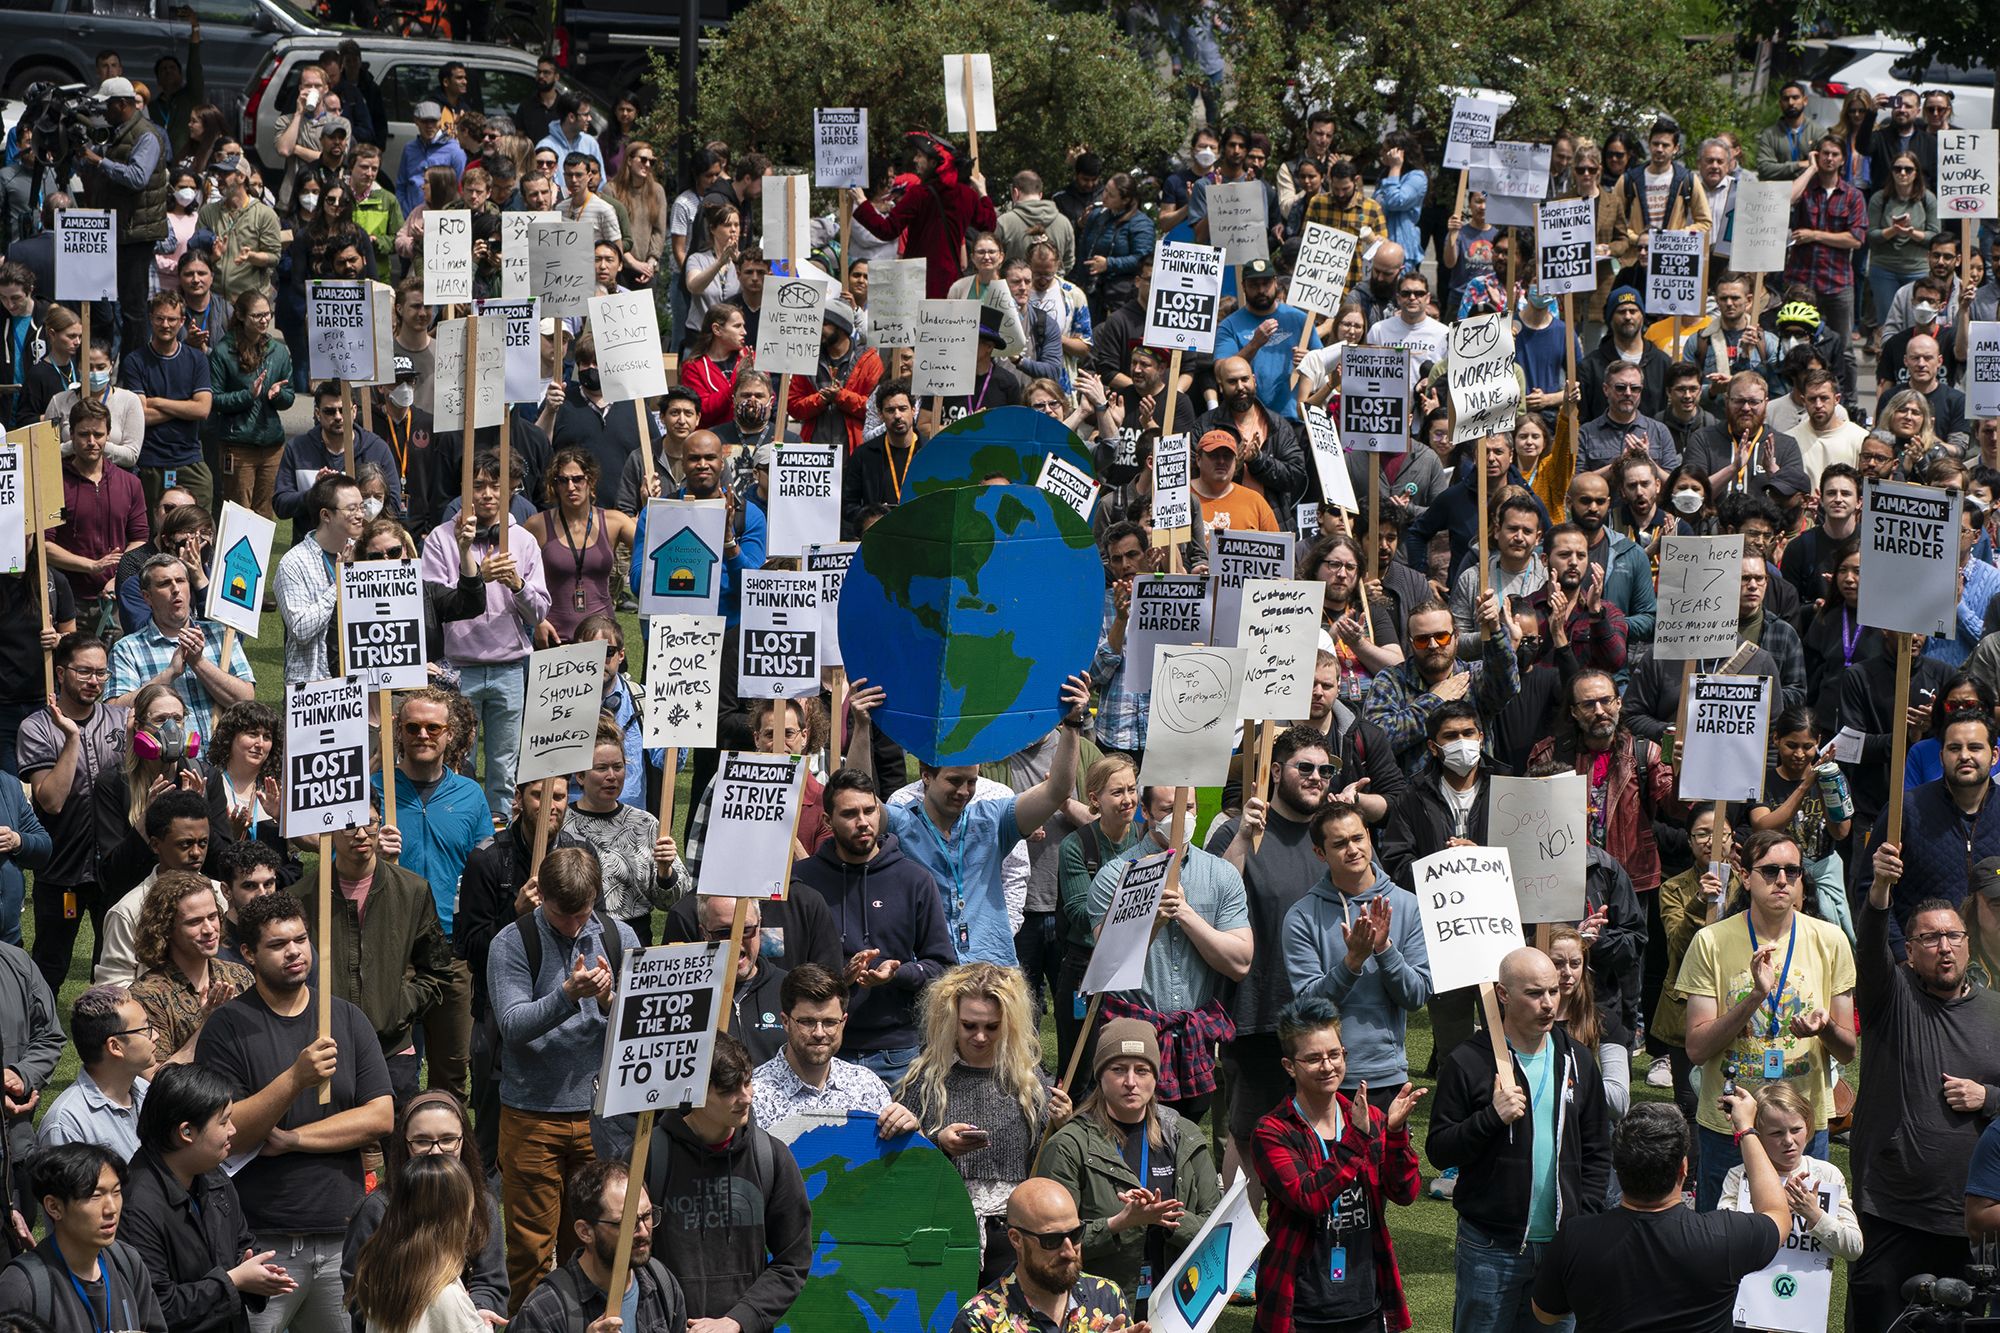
{"points": [[895, 478], [1779, 994], [401, 448], [89, 1310], [230, 787], [956, 860], [576, 552], [1326, 1149]]}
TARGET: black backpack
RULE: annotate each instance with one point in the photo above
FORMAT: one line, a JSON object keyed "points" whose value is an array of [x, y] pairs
{"points": [[531, 941]]}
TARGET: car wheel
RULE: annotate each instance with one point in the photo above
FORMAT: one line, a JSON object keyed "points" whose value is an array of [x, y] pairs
{"points": [[30, 75]]}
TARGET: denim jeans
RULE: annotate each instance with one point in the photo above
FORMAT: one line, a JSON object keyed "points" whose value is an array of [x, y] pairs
{"points": [[1718, 1153], [1883, 284], [318, 1303], [497, 692], [1495, 1284], [889, 1065]]}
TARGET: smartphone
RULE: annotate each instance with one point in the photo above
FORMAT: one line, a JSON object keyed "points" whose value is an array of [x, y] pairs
{"points": [[976, 1137]]}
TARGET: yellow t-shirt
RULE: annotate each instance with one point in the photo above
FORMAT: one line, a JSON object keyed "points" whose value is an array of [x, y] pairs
{"points": [[1718, 966]]}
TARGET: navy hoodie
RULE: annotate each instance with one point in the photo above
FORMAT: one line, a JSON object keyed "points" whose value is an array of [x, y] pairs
{"points": [[890, 903]]}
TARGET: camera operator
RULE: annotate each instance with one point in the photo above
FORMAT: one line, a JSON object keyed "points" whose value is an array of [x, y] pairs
{"points": [[128, 174]]}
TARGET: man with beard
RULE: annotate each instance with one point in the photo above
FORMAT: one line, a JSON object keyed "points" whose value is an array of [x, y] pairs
{"points": [[1630, 783], [305, 1180], [875, 471], [1684, 415], [1272, 454], [1410, 323], [806, 1076], [1272, 336], [1826, 435], [1048, 1287], [1345, 205], [1945, 822], [185, 981], [1624, 342], [831, 406], [1623, 430], [1628, 573], [1926, 1029], [1401, 699], [1120, 458], [576, 1296], [1378, 294], [1573, 607]]}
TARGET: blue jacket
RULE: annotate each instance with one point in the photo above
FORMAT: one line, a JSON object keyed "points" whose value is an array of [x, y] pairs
{"points": [[1122, 241], [1273, 361], [1940, 848], [1402, 199], [308, 452], [750, 545], [439, 832], [419, 157], [1628, 585], [891, 903], [1374, 1005], [32, 854], [551, 1044]]}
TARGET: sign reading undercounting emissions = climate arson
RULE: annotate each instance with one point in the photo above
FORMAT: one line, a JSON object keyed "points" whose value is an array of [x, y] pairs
{"points": [[1186, 294], [1909, 558], [326, 756], [382, 619], [1471, 917], [662, 1030], [752, 818], [559, 722]]}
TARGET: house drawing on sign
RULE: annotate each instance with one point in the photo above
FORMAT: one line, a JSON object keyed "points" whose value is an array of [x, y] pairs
{"points": [[684, 566], [241, 575]]}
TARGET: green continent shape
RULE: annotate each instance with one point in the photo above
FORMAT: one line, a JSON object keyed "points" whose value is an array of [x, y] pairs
{"points": [[991, 674], [872, 1190]]}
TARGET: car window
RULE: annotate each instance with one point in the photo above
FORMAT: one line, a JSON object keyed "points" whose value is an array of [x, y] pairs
{"points": [[501, 90], [238, 12], [1973, 76], [406, 85]]}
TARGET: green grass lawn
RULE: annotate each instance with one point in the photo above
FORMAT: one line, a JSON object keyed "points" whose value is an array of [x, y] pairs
{"points": [[1423, 1232]]}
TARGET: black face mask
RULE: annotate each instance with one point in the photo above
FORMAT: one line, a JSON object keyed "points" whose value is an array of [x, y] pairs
{"points": [[1529, 648], [588, 378]]}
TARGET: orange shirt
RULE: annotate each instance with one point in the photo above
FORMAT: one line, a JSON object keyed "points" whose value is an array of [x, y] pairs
{"points": [[1247, 511]]}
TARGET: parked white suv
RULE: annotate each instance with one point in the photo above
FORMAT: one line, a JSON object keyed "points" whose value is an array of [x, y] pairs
{"points": [[1883, 64]]}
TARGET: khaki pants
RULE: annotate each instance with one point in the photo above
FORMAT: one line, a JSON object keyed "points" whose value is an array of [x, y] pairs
{"points": [[537, 1154], [193, 478], [448, 1032], [250, 475]]}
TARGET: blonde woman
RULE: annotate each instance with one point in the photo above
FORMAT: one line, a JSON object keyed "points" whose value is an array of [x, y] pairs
{"points": [[979, 1092], [407, 1276], [1111, 785]]}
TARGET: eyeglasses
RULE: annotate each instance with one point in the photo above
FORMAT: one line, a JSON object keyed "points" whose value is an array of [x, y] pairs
{"points": [[148, 1027], [1623, 388], [1938, 939], [1305, 770], [720, 933], [1595, 705], [1779, 872], [88, 673], [1054, 1240], [423, 1144], [425, 728], [1431, 640], [652, 1217], [1318, 1059], [816, 1024]]}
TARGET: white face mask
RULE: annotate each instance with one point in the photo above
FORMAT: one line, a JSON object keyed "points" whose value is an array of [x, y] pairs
{"points": [[1924, 312], [372, 507], [308, 202], [1688, 502], [1204, 158], [185, 196], [1461, 756], [402, 394]]}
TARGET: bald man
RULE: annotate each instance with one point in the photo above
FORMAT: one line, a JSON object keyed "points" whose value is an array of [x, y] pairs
{"points": [[1273, 449], [1923, 367], [1531, 1146], [1047, 1278]]}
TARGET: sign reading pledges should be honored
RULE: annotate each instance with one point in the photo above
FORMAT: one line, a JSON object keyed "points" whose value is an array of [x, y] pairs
{"points": [[662, 1030], [1566, 246], [559, 721], [1673, 273], [1471, 917], [1374, 399], [1909, 558], [1722, 756], [326, 756], [778, 657], [1701, 579], [1540, 824], [1484, 387], [340, 332], [382, 623], [683, 681], [840, 148], [1186, 293], [752, 818], [86, 255], [1119, 960]]}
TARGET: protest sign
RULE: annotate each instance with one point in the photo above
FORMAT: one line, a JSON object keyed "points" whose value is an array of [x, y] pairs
{"points": [[86, 255], [1234, 557], [683, 680], [682, 564], [1173, 498], [983, 121], [1374, 399], [1794, 1292], [1196, 1287], [787, 221], [1473, 121], [13, 510], [1278, 621], [947, 344], [1166, 609], [1236, 222], [840, 148], [1982, 370], [1721, 758], [242, 569], [1063, 478], [1471, 917], [382, 317], [560, 270], [1673, 273], [559, 720], [517, 252], [788, 332], [1485, 389], [43, 446], [1319, 274], [1539, 822], [522, 380], [1191, 715], [662, 1030], [626, 328], [1119, 960], [1186, 293], [447, 256], [895, 293], [1330, 461], [1305, 518], [805, 497], [448, 378], [1505, 169], [830, 560], [1566, 246], [1761, 231], [382, 624], [1966, 173], [779, 653], [1699, 599], [752, 818], [1909, 558], [326, 756], [340, 331]]}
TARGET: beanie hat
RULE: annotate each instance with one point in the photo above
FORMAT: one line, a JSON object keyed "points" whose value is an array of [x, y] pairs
{"points": [[1124, 1038]]}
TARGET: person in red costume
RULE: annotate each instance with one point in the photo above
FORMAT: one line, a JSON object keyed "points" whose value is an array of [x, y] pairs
{"points": [[934, 209]]}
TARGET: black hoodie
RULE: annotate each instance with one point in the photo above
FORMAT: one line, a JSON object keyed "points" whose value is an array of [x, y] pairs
{"points": [[889, 903], [735, 1227]]}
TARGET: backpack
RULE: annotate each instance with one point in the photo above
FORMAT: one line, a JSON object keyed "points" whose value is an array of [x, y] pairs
{"points": [[563, 1282], [1093, 850], [42, 1279], [531, 940]]}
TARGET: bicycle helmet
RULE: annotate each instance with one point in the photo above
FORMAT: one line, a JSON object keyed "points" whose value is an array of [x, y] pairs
{"points": [[1802, 313]]}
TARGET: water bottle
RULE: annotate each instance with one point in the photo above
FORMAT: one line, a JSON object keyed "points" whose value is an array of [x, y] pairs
{"points": [[1833, 791]]}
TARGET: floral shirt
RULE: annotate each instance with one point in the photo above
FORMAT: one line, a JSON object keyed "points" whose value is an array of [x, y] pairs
{"points": [[1094, 1305], [171, 1001]]}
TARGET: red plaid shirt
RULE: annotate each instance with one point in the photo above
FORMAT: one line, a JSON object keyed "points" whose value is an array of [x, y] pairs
{"points": [[1301, 1187], [1823, 267], [1187, 1044]]}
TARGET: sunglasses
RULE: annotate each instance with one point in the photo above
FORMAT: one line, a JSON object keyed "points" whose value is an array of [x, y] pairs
{"points": [[1431, 640], [1327, 771], [1781, 872], [1054, 1240], [425, 728]]}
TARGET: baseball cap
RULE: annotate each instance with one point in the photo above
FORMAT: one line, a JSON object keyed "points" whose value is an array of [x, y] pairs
{"points": [[1218, 439], [1258, 268], [226, 166], [766, 455], [427, 111], [1986, 878], [336, 125], [114, 89]]}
